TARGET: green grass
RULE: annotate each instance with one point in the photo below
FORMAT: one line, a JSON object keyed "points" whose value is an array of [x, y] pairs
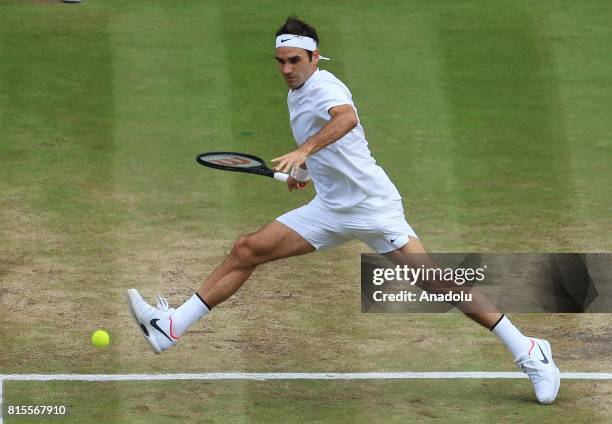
{"points": [[492, 118]]}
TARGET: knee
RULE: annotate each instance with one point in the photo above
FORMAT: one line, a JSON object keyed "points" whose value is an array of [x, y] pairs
{"points": [[436, 287], [245, 251]]}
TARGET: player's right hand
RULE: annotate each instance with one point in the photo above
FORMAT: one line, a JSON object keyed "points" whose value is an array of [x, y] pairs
{"points": [[293, 184]]}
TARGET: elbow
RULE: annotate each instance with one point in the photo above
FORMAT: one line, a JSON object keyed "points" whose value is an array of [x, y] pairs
{"points": [[352, 120]]}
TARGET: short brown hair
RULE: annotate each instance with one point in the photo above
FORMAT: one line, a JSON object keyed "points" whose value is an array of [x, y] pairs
{"points": [[297, 27]]}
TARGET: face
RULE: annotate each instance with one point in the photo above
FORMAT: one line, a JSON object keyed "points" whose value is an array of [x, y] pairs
{"points": [[295, 66]]}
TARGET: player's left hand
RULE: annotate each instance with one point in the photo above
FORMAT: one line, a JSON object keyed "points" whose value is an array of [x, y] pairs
{"points": [[288, 161]]}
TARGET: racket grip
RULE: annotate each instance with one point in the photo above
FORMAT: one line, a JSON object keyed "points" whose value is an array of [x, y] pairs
{"points": [[281, 176]]}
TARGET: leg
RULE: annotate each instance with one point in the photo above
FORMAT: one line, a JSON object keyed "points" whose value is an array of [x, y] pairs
{"points": [[279, 239], [163, 326], [541, 370], [272, 242], [414, 255]]}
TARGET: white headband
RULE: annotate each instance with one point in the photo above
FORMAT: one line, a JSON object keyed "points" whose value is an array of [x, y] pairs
{"points": [[299, 41]]}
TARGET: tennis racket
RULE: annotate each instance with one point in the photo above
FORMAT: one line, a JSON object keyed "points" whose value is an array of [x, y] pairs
{"points": [[239, 162]]}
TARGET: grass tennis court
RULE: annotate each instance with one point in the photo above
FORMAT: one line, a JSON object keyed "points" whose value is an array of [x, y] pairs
{"points": [[492, 118], [394, 401]]}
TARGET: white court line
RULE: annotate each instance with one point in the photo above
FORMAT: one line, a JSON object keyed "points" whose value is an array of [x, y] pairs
{"points": [[294, 376], [260, 376]]}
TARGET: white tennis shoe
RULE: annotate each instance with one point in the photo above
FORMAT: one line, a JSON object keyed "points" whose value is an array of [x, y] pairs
{"points": [[154, 323], [539, 366]]}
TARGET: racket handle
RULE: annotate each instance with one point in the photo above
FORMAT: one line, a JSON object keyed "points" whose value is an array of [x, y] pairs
{"points": [[281, 176]]}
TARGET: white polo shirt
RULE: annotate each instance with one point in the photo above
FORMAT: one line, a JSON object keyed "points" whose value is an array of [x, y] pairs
{"points": [[344, 173]]}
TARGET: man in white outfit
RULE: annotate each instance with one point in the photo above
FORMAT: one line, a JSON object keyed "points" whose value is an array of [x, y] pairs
{"points": [[355, 200]]}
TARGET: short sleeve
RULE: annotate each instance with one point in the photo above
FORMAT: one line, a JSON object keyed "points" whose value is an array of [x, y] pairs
{"points": [[329, 95]]}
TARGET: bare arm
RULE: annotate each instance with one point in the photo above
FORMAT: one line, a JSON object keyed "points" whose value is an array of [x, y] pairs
{"points": [[343, 120]]}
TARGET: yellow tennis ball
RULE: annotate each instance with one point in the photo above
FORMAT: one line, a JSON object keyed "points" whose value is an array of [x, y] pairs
{"points": [[100, 339]]}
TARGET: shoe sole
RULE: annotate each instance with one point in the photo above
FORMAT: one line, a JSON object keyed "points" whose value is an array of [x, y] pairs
{"points": [[140, 323]]}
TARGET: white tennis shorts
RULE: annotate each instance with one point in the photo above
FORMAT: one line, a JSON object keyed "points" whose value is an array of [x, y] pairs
{"points": [[378, 222]]}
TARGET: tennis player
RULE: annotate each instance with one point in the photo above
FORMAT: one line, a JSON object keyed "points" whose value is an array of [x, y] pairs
{"points": [[355, 199]]}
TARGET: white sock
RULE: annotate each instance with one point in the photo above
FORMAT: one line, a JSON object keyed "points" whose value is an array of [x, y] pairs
{"points": [[188, 313], [511, 337]]}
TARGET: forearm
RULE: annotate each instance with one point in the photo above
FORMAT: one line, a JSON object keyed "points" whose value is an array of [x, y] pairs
{"points": [[339, 126], [343, 120]]}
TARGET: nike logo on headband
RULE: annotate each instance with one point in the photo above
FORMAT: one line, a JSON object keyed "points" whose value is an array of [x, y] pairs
{"points": [[286, 39]]}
